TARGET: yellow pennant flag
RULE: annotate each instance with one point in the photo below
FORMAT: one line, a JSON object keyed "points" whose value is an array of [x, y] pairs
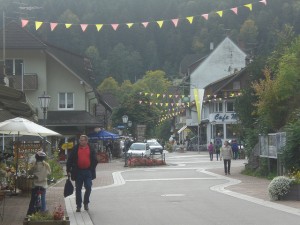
{"points": [[99, 26], [160, 23], [249, 6], [68, 25], [38, 24], [129, 24], [157, 95], [220, 13], [190, 19]]}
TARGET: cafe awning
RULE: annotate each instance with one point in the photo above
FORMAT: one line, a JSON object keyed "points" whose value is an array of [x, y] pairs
{"points": [[182, 129]]}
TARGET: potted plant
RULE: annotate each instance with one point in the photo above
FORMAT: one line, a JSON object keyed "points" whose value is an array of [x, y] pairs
{"points": [[57, 217]]}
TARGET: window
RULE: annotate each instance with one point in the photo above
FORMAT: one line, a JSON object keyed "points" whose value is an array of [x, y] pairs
{"points": [[66, 100], [218, 107], [14, 66], [229, 107]]}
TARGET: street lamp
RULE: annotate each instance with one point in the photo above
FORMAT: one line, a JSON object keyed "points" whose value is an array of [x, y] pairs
{"points": [[125, 121], [44, 104]]}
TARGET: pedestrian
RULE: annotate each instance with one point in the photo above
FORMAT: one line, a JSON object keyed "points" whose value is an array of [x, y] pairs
{"points": [[226, 155], [235, 149], [211, 151], [40, 172], [81, 166], [218, 145]]}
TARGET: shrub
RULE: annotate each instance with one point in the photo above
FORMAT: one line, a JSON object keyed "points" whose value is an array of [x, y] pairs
{"points": [[279, 187]]}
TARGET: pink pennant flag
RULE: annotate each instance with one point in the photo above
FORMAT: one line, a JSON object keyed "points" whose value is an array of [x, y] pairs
{"points": [[145, 24], [264, 2], [52, 26], [175, 22], [115, 26], [83, 27], [235, 10], [205, 16], [24, 22]]}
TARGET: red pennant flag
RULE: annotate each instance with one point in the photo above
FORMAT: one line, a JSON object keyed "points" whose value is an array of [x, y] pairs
{"points": [[24, 22], [235, 10], [115, 26], [52, 26], [83, 27], [264, 2], [175, 22], [205, 16], [145, 24]]}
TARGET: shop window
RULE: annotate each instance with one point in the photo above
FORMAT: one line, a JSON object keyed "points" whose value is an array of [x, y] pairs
{"points": [[66, 100]]}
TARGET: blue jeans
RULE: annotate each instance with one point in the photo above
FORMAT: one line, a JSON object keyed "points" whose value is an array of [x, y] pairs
{"points": [[31, 208], [84, 177]]}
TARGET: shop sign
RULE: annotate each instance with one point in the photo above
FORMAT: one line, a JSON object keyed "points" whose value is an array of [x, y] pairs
{"points": [[225, 117]]}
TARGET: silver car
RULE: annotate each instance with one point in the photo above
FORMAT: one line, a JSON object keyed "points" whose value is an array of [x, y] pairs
{"points": [[139, 149], [155, 147]]}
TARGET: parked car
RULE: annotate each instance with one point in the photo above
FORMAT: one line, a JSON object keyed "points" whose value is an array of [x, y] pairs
{"points": [[139, 149], [155, 147]]}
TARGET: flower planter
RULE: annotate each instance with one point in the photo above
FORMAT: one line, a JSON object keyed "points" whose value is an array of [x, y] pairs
{"points": [[46, 222], [293, 194]]}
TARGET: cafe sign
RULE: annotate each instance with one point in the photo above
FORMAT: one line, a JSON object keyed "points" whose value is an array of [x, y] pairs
{"points": [[223, 117]]}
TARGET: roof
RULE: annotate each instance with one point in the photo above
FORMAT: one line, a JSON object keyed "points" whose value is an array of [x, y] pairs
{"points": [[71, 118], [13, 103], [225, 58], [17, 37]]}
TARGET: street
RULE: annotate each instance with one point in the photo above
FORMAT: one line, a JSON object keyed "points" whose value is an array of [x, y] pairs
{"points": [[181, 193]]}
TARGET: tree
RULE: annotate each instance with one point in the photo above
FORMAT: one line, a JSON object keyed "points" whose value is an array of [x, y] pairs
{"points": [[109, 85]]}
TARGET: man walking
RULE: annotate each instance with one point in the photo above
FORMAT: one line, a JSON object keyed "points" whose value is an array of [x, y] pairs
{"points": [[226, 155], [81, 166]]}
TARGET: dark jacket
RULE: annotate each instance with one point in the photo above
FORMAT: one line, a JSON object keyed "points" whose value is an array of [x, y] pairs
{"points": [[72, 165]]}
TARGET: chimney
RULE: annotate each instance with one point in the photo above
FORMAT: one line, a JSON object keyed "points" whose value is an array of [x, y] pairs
{"points": [[211, 46]]}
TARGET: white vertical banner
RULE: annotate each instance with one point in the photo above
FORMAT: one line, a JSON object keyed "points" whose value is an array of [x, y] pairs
{"points": [[199, 94]]}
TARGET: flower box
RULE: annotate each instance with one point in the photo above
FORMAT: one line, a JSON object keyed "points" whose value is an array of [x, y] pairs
{"points": [[293, 194], [47, 222]]}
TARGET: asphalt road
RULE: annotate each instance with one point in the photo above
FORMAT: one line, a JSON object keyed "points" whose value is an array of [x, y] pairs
{"points": [[179, 194]]}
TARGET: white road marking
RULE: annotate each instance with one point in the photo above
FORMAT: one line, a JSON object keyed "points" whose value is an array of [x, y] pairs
{"points": [[173, 195]]}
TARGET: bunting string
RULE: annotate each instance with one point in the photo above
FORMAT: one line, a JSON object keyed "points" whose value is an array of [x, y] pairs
{"points": [[160, 23]]}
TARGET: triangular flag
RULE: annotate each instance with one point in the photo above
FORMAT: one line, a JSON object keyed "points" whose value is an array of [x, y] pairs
{"points": [[170, 96], [157, 95], [190, 19], [52, 26], [160, 23], [164, 95], [129, 24], [140, 102], [145, 24], [115, 26], [220, 13], [38, 24], [24, 22], [264, 2], [235, 10], [150, 103], [249, 6], [99, 26], [68, 25], [205, 16], [175, 22], [83, 27], [151, 94]]}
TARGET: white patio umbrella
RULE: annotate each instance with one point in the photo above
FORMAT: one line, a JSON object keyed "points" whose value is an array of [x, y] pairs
{"points": [[21, 126]]}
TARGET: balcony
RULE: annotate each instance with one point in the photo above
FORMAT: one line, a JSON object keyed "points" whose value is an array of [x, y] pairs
{"points": [[30, 82]]}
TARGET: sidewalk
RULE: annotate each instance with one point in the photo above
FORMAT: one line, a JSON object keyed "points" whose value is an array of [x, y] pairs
{"points": [[16, 206]]}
